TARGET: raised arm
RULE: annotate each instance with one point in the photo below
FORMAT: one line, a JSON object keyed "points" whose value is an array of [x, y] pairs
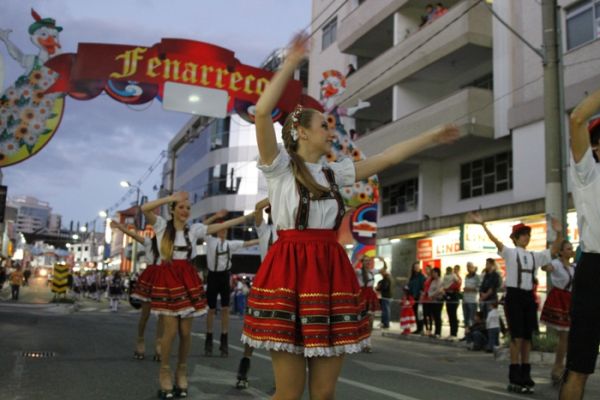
{"points": [[265, 132], [580, 138], [131, 233], [476, 217], [229, 223], [149, 207], [555, 246], [403, 150], [13, 50], [218, 215]]}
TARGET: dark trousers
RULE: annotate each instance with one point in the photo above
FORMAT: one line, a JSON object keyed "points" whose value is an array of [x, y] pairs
{"points": [[428, 315], [14, 291], [419, 320], [385, 312], [451, 309], [436, 314]]}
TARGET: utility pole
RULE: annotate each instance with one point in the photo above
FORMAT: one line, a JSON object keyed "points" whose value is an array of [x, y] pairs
{"points": [[554, 115]]}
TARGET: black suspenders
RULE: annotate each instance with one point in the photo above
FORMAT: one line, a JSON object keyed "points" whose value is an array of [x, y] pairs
{"points": [[570, 283], [218, 254], [188, 243], [304, 201], [520, 270]]}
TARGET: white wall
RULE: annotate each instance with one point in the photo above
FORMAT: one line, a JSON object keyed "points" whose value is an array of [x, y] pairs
{"points": [[529, 164]]}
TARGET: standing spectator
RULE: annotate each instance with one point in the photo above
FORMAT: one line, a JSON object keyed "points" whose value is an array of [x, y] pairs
{"points": [[351, 70], [407, 315], [584, 335], [415, 287], [2, 276], [490, 284], [16, 280], [26, 276], [451, 284], [439, 10], [558, 303], [471, 288], [492, 324], [428, 17], [426, 302], [436, 299], [384, 287], [115, 290]]}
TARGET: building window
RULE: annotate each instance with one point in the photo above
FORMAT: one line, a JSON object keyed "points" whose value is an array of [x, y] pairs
{"points": [[400, 197], [486, 176], [329, 33], [583, 23], [85, 248]]}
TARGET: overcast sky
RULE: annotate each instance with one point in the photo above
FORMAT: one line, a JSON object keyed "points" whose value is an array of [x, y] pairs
{"points": [[101, 142]]}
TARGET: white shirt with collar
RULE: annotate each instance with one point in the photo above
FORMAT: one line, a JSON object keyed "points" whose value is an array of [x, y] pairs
{"points": [[264, 231], [585, 176], [196, 231], [284, 196], [213, 245], [529, 260]]}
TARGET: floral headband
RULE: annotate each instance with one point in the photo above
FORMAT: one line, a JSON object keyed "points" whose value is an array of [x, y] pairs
{"points": [[296, 122]]}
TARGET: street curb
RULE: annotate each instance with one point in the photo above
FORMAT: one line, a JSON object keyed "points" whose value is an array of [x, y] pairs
{"points": [[502, 354], [424, 339]]}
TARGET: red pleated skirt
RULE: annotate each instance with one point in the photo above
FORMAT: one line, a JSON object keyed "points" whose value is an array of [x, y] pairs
{"points": [[176, 290], [143, 287], [305, 298], [556, 309], [370, 299]]}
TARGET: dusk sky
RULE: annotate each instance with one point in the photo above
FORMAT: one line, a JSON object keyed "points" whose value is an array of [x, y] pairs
{"points": [[101, 142]]}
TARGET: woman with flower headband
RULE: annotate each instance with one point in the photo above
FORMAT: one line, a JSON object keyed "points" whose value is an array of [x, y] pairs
{"points": [[176, 291], [304, 305]]}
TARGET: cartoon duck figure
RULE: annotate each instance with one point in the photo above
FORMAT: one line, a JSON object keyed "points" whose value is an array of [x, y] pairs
{"points": [[25, 109], [333, 86]]}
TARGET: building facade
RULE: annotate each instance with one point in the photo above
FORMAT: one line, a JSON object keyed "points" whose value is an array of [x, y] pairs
{"points": [[34, 215], [463, 67]]}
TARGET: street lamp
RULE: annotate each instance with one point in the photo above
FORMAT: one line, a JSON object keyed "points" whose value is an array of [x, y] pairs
{"points": [[103, 214]]}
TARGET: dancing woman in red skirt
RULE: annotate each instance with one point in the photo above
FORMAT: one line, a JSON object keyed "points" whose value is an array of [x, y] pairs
{"points": [[141, 291], [557, 307], [176, 292], [305, 304]]}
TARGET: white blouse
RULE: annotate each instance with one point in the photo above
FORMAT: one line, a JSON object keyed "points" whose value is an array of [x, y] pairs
{"points": [[561, 275], [223, 262], [149, 254], [586, 191], [510, 254], [284, 196], [197, 231], [264, 230]]}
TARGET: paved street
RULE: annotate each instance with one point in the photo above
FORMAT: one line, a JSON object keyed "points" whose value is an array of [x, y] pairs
{"points": [[92, 360]]}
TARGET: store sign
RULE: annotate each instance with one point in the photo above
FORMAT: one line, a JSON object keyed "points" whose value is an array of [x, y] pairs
{"points": [[438, 246], [425, 249]]}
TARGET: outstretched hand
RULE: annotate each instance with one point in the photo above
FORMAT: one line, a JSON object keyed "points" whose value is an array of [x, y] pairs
{"points": [[446, 134], [113, 225], [476, 217], [299, 47], [556, 225], [221, 213]]}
